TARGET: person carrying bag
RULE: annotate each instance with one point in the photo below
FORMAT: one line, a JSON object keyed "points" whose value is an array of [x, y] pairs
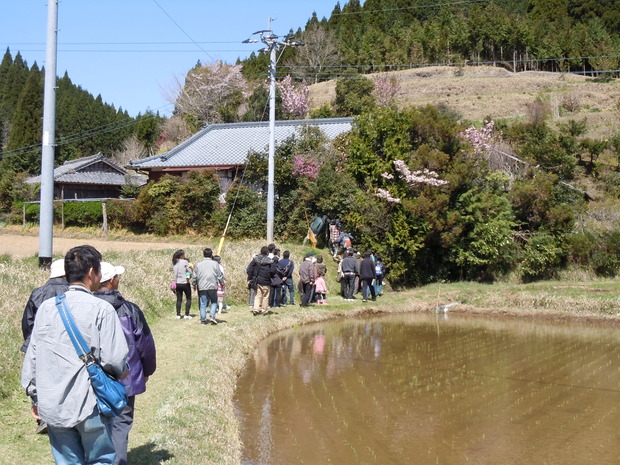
{"points": [[111, 394]]}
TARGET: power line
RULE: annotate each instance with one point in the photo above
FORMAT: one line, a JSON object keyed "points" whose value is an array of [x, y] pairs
{"points": [[80, 136], [182, 30]]}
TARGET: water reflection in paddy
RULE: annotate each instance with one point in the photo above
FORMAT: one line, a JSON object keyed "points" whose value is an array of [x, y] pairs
{"points": [[416, 389]]}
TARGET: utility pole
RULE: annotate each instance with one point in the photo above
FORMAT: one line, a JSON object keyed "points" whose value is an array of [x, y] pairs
{"points": [[272, 44], [46, 215]]}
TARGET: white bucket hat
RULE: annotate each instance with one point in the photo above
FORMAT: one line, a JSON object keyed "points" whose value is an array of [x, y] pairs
{"points": [[57, 268]]}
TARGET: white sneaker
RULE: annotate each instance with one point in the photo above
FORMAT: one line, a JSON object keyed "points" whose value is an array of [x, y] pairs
{"points": [[188, 317], [178, 317]]}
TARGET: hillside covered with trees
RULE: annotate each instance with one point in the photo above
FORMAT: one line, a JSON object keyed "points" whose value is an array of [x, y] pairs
{"points": [[387, 35]]}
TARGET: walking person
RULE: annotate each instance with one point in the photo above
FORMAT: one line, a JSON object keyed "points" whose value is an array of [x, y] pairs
{"points": [[141, 359], [349, 273], [379, 272], [307, 277], [56, 378], [182, 271], [287, 266], [320, 288], [275, 291], [207, 274], [221, 291], [260, 272], [367, 276], [55, 285]]}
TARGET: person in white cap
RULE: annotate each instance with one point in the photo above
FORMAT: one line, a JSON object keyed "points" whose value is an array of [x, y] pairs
{"points": [[56, 285], [141, 358]]}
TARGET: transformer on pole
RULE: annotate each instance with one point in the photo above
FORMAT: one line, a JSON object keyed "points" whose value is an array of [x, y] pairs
{"points": [[272, 44]]}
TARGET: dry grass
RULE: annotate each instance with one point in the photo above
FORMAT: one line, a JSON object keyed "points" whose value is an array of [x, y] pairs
{"points": [[484, 91], [187, 415]]}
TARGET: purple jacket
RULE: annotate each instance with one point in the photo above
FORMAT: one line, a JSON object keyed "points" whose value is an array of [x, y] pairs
{"points": [[141, 358]]}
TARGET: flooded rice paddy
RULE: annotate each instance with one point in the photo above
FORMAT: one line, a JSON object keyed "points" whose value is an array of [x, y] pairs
{"points": [[422, 389]]}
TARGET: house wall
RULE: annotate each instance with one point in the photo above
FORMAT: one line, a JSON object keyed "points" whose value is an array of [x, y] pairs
{"points": [[85, 191]]}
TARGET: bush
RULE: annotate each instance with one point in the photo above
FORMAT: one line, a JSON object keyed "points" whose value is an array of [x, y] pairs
{"points": [[80, 213], [542, 256]]}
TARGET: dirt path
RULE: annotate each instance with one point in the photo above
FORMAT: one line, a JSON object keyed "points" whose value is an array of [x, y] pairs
{"points": [[18, 246]]}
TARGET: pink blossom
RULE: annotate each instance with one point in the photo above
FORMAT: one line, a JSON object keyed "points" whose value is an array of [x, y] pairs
{"points": [[385, 90], [295, 99], [306, 167], [481, 139]]}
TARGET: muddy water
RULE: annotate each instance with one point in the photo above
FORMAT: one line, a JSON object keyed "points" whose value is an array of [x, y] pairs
{"points": [[418, 389]]}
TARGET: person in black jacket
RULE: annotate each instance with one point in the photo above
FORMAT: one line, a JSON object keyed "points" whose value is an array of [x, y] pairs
{"points": [[56, 285], [367, 276], [141, 359], [260, 272]]}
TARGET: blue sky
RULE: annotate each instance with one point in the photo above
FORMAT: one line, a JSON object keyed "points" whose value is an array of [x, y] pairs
{"points": [[130, 51]]}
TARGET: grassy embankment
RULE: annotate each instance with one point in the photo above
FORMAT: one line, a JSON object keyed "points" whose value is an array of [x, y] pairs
{"points": [[187, 415]]}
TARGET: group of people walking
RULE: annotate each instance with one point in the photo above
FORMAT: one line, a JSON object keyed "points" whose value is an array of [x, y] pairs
{"points": [[206, 277], [56, 379], [270, 280]]}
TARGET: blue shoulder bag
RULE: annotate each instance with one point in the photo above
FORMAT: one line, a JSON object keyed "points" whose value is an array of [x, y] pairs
{"points": [[111, 395]]}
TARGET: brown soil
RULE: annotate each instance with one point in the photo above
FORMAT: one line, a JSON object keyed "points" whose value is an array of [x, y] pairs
{"points": [[23, 246]]}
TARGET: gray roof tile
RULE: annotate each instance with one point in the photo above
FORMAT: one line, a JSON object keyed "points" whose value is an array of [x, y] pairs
{"points": [[229, 143], [95, 169]]}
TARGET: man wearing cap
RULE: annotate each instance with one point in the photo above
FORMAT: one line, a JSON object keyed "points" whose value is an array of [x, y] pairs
{"points": [[141, 358], [55, 285]]}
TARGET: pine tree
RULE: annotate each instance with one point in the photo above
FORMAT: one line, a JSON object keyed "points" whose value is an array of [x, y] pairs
{"points": [[25, 137]]}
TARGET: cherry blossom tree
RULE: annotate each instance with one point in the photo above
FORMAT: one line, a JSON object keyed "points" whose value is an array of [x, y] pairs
{"points": [[208, 90], [295, 99], [386, 89]]}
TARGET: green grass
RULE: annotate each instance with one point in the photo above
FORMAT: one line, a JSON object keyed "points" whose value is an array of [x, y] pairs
{"points": [[187, 414]]}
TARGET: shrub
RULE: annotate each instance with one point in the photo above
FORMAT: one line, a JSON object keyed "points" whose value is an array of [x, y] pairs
{"points": [[80, 213], [571, 103], [542, 256]]}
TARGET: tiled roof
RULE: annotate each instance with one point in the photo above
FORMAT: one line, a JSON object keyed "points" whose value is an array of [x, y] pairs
{"points": [[229, 143], [95, 169]]}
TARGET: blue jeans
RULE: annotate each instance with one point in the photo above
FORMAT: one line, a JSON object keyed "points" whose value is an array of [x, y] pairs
{"points": [[204, 297], [88, 442], [288, 284]]}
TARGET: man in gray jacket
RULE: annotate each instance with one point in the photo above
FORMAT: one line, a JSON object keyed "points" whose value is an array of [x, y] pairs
{"points": [[56, 378], [205, 278]]}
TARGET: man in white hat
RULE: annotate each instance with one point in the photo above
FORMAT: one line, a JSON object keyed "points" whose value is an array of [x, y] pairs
{"points": [[141, 358], [56, 285]]}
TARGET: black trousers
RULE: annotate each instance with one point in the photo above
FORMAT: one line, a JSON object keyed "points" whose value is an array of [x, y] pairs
{"points": [[366, 285], [308, 289], [184, 288]]}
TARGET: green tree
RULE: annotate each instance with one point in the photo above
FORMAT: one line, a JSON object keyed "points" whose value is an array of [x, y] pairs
{"points": [[353, 95], [148, 130], [484, 246], [25, 136]]}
